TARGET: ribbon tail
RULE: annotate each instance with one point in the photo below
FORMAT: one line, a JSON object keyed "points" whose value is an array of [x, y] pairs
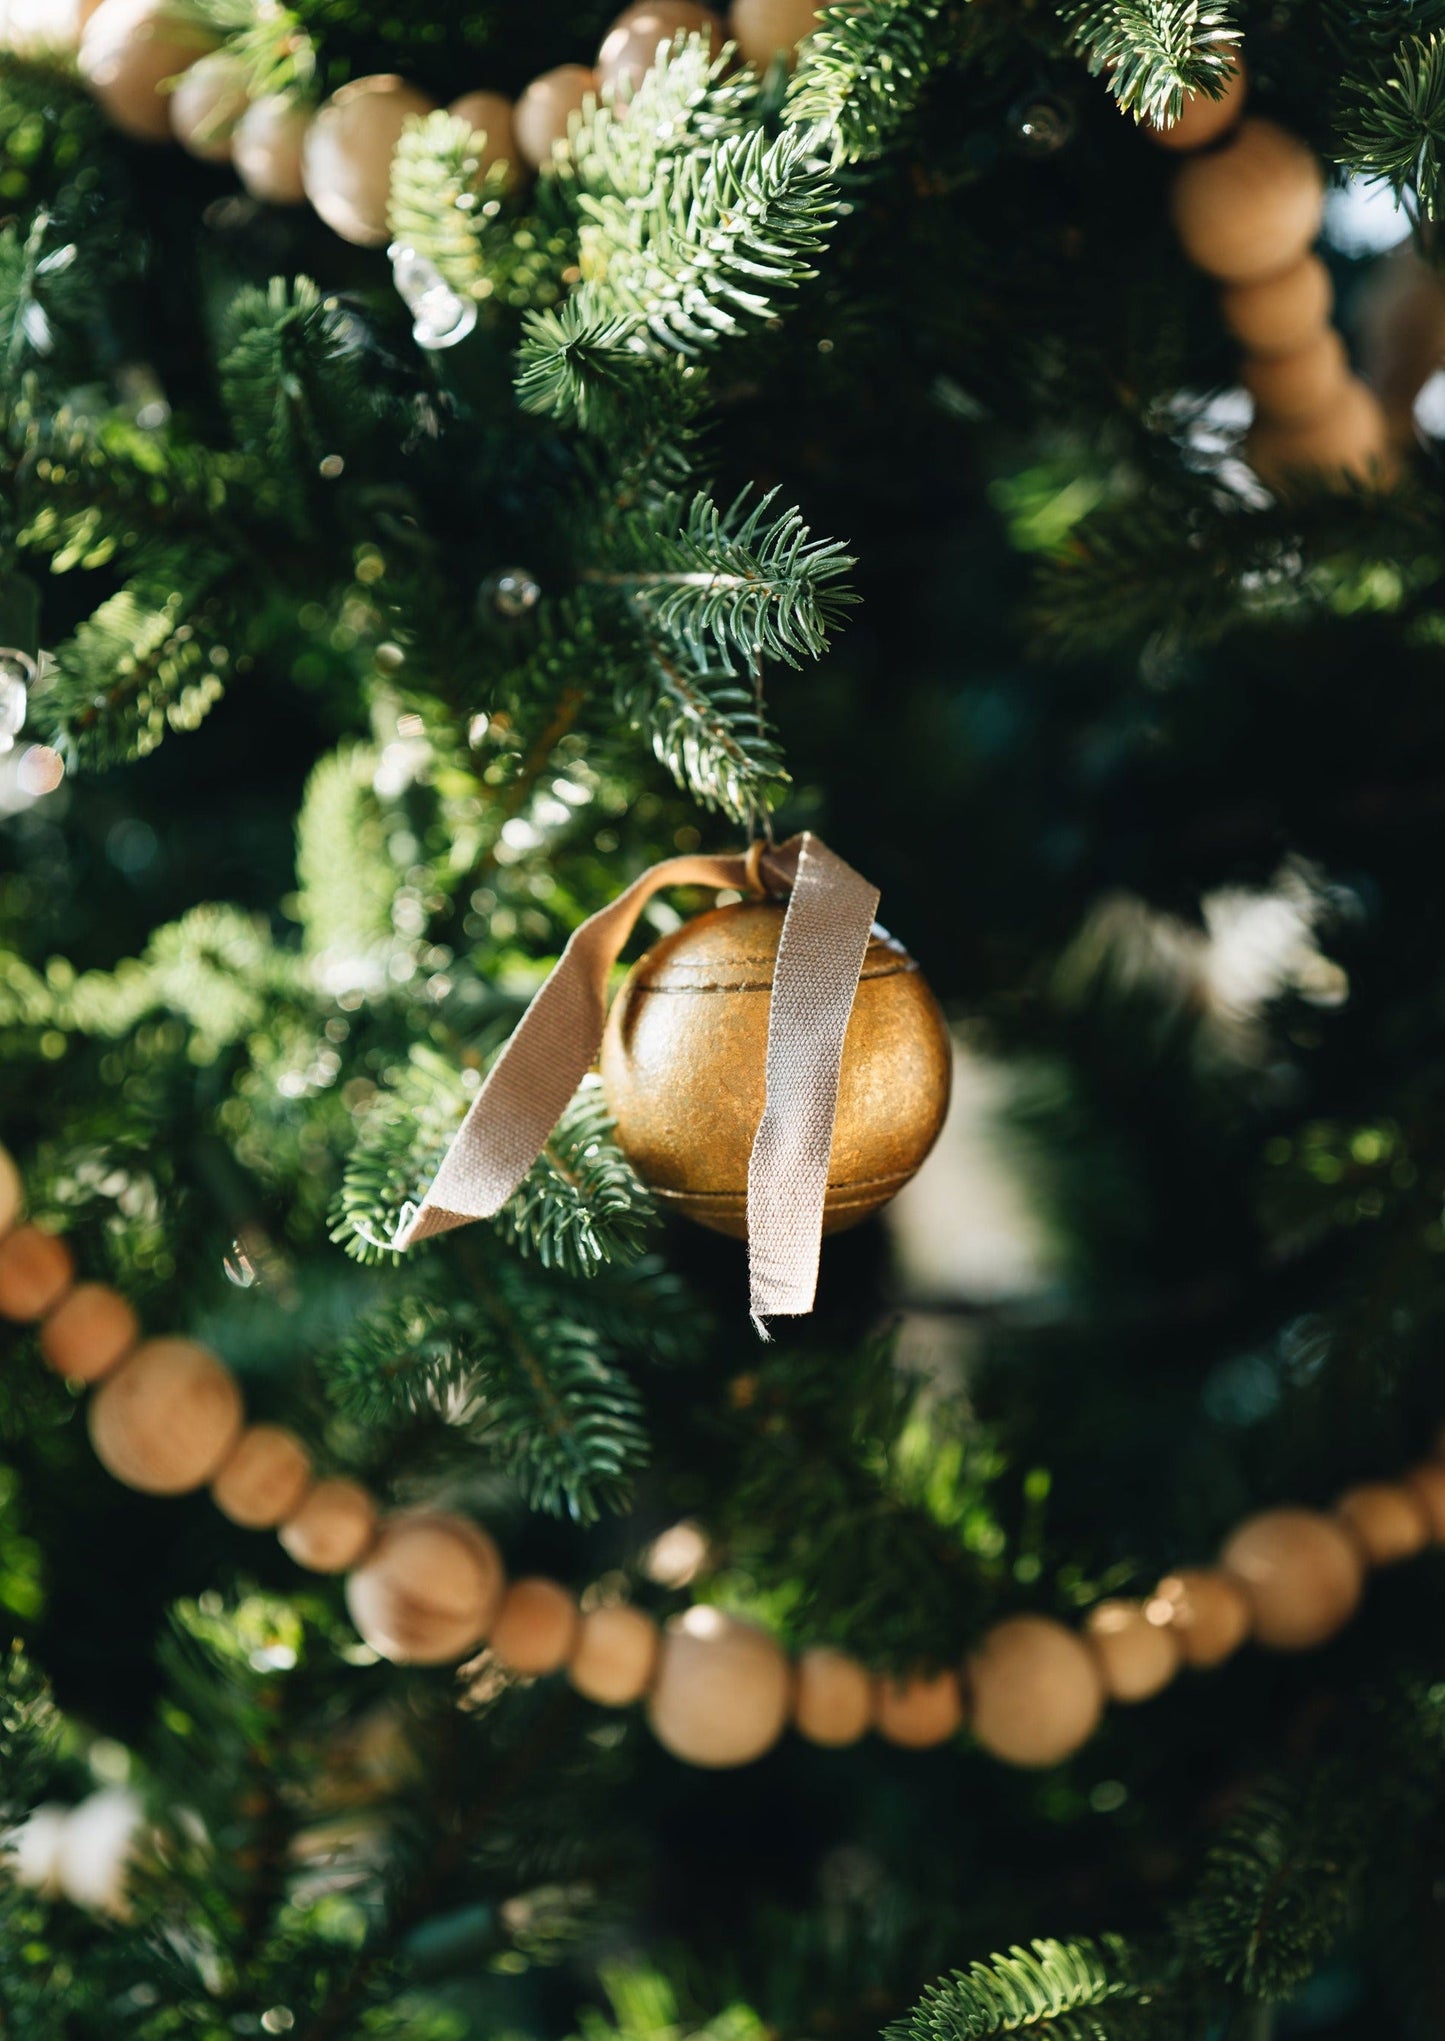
{"points": [[815, 981]]}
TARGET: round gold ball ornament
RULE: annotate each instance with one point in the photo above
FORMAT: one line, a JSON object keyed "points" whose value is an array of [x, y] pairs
{"points": [[684, 1063]]}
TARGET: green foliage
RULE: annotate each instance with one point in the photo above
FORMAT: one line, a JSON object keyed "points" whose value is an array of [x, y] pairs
{"points": [[1068, 1991], [710, 732], [1152, 53], [288, 379], [583, 367], [517, 1369], [863, 72], [346, 878], [1394, 126]]}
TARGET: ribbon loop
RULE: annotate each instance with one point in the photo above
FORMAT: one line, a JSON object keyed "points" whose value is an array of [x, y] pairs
{"points": [[820, 959]]}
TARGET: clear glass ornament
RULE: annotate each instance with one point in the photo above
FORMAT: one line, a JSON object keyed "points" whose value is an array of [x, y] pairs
{"points": [[511, 592], [442, 316], [1042, 124], [17, 675]]}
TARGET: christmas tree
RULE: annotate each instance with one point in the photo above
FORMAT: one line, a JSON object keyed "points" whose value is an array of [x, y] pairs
{"points": [[457, 457]]}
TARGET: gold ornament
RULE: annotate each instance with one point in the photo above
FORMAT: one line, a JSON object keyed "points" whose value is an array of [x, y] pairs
{"points": [[684, 1061]]}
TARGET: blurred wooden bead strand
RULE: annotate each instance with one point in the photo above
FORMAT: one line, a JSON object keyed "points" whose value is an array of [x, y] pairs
{"points": [[428, 1591], [165, 1421], [721, 1691]]}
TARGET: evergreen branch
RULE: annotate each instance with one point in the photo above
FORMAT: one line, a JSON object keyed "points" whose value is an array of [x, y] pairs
{"points": [[150, 659], [346, 878], [736, 585], [1155, 53], [862, 73], [289, 379], [1279, 1885], [584, 367], [1394, 125], [1067, 1991], [710, 732], [272, 43], [725, 233]]}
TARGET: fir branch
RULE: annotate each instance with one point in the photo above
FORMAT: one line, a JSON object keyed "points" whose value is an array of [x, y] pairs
{"points": [[725, 234], [737, 585], [1068, 1991], [1394, 125], [346, 878], [584, 367], [289, 378], [709, 731], [1279, 1885], [862, 73], [149, 660], [1154, 53]]}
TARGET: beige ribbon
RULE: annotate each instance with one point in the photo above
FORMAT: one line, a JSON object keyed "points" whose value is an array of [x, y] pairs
{"points": [[820, 958]]}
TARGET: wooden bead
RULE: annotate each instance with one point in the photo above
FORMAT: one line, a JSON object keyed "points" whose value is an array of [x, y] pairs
{"points": [[264, 1480], [1137, 1657], [429, 1591], [764, 29], [1207, 1612], [167, 1418], [89, 1332], [536, 1627], [266, 149], [1251, 207], [832, 1698], [1037, 1692], [920, 1710], [1388, 1521], [1427, 1484], [36, 1268], [1402, 336], [1292, 389], [542, 117], [1280, 314], [1348, 443], [629, 48], [1301, 1572], [206, 105], [489, 116], [12, 1191], [333, 1527], [128, 51], [1202, 120], [721, 1691], [684, 1065], [347, 150], [613, 1658]]}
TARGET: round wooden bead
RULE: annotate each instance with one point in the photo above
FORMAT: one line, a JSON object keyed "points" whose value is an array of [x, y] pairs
{"points": [[347, 151], [489, 116], [429, 1590], [263, 1482], [920, 1710], [1427, 1484], [764, 29], [1388, 1520], [128, 50], [1037, 1693], [536, 1627], [615, 1652], [167, 1418], [89, 1332], [12, 1191], [266, 149], [832, 1698], [1280, 314], [1207, 1612], [629, 48], [1292, 389], [1350, 442], [1203, 120], [1251, 207], [1137, 1657], [721, 1691], [206, 105], [333, 1527], [684, 1066], [542, 116], [1301, 1572], [36, 1268]]}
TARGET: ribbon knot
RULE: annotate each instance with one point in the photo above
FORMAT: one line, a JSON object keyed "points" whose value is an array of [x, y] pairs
{"points": [[826, 925]]}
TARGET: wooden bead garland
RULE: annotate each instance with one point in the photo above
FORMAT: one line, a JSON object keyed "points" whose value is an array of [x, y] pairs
{"points": [[1246, 210], [35, 1273], [159, 79], [427, 1588]]}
